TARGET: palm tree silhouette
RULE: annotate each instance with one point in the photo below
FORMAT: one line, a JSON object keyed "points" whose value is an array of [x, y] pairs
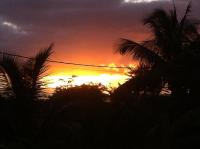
{"points": [[25, 78], [172, 38]]}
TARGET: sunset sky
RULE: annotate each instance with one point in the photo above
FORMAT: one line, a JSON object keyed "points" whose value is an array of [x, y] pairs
{"points": [[83, 31]]}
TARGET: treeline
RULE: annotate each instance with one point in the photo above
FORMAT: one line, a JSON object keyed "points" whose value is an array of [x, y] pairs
{"points": [[84, 117]]}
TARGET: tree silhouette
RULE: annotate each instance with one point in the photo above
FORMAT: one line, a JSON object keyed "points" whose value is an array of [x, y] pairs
{"points": [[26, 87], [25, 78], [164, 54]]}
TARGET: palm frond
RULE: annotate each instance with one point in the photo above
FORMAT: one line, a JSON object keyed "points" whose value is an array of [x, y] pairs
{"points": [[40, 66], [157, 20], [5, 84], [152, 44], [139, 52], [11, 67], [173, 14], [37, 69], [161, 25], [190, 30], [188, 10]]}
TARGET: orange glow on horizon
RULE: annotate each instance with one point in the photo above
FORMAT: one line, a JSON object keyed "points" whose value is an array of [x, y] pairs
{"points": [[76, 76], [104, 79]]}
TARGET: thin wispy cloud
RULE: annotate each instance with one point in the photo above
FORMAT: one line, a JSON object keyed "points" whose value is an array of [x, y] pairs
{"points": [[14, 27]]}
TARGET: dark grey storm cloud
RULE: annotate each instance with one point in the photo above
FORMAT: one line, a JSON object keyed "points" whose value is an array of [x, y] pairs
{"points": [[74, 25]]}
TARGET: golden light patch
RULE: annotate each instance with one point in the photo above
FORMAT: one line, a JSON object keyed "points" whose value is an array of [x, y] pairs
{"points": [[104, 79], [111, 77]]}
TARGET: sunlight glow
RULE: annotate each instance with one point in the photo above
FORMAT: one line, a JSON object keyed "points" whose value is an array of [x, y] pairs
{"points": [[109, 77], [105, 79]]}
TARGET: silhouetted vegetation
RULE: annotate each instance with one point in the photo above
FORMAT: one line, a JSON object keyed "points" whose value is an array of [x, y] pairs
{"points": [[170, 56], [158, 108]]}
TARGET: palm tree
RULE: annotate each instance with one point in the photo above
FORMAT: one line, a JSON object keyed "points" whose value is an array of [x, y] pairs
{"points": [[172, 55], [25, 78], [172, 39]]}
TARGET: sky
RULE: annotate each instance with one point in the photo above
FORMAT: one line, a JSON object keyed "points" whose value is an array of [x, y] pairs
{"points": [[83, 31]]}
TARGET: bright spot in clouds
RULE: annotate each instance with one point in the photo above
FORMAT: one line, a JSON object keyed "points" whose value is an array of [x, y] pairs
{"points": [[141, 1], [14, 27], [11, 25]]}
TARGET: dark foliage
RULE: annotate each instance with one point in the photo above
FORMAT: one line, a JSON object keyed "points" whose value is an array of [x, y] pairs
{"points": [[170, 56]]}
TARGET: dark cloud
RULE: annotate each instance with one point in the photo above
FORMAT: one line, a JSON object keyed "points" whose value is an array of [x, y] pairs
{"points": [[78, 27]]}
